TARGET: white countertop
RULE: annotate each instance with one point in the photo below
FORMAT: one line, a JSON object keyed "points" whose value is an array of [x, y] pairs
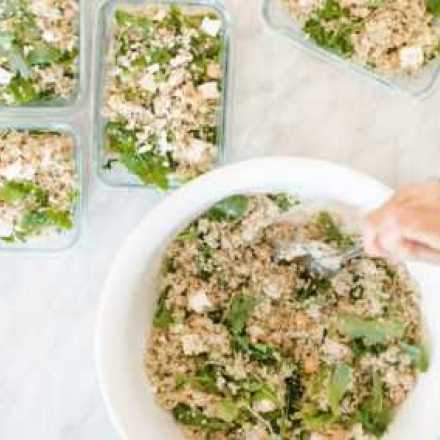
{"points": [[286, 102]]}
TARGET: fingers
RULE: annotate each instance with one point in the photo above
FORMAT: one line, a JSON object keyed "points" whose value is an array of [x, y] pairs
{"points": [[411, 250], [407, 226]]}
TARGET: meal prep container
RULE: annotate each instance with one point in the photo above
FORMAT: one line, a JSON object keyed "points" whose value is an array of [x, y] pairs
{"points": [[103, 38], [57, 108], [129, 296], [63, 240], [419, 86]]}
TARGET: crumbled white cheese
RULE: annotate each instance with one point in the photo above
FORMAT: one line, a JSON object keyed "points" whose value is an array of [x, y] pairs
{"points": [[272, 288], [5, 76], [154, 68], [18, 170], [199, 302], [411, 57], [193, 153], [147, 83], [193, 345], [209, 90], [334, 350], [264, 406], [163, 145], [49, 36], [180, 60], [211, 27]]}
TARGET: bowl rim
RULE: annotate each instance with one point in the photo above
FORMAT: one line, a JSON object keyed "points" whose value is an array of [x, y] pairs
{"points": [[107, 293]]}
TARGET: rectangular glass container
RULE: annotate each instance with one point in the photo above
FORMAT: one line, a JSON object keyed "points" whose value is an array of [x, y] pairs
{"points": [[63, 240], [65, 106], [103, 37], [419, 86]]}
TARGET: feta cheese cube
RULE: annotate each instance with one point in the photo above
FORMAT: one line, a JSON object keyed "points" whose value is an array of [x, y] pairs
{"points": [[264, 406], [5, 76], [211, 27], [209, 90], [199, 302], [147, 83], [411, 57], [193, 345]]}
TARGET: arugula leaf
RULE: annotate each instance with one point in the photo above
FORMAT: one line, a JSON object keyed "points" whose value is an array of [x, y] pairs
{"points": [[227, 410], [13, 191], [119, 138], [163, 317], [148, 167], [284, 201], [43, 55], [262, 353], [313, 418], [314, 287], [340, 381], [294, 393], [22, 90], [375, 413], [433, 7], [370, 330], [332, 11], [239, 311], [418, 354], [189, 416], [160, 56], [124, 18], [332, 232], [35, 221], [229, 209], [206, 379]]}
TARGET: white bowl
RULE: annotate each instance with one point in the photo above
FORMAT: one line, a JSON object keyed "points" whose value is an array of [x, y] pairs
{"points": [[129, 297]]}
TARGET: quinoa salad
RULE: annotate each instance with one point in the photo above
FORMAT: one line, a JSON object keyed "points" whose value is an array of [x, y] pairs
{"points": [[249, 343], [163, 93], [39, 50], [38, 184], [392, 37]]}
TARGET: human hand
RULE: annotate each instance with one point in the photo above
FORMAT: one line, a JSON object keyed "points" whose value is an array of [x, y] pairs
{"points": [[407, 227]]}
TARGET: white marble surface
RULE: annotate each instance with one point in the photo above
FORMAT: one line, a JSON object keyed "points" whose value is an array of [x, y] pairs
{"points": [[285, 103]]}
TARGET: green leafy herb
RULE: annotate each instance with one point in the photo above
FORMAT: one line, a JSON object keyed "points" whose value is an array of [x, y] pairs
{"points": [[35, 221], [314, 287], [239, 311], [419, 355], [339, 384], [186, 415], [332, 232], [230, 209], [124, 18], [14, 191], [43, 55], [227, 410], [375, 413], [332, 26], [206, 379], [22, 90], [294, 393], [370, 330], [284, 201], [433, 7], [163, 317]]}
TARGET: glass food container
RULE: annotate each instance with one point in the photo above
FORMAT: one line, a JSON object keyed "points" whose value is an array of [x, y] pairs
{"points": [[66, 239], [419, 86], [103, 37], [61, 106]]}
